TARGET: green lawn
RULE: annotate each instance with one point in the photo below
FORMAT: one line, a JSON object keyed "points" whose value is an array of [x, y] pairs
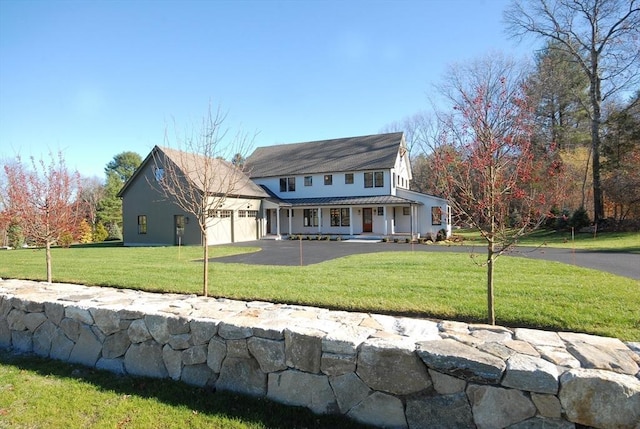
{"points": [[605, 241], [41, 393], [440, 285]]}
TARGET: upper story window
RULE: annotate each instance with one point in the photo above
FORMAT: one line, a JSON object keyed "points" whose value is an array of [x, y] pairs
{"points": [[287, 184], [142, 224], [348, 179], [308, 180], [328, 179], [159, 174], [372, 179]]}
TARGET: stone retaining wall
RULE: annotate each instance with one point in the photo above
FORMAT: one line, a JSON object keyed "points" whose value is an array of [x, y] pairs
{"points": [[387, 371]]}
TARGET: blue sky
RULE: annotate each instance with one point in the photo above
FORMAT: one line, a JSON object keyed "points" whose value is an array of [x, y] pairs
{"points": [[96, 78]]}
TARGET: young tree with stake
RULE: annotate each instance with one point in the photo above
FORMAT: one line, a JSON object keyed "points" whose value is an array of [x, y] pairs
{"points": [[484, 159]]}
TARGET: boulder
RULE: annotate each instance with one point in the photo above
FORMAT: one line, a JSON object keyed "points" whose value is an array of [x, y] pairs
{"points": [[138, 332], [497, 407], [87, 349], [599, 398], [312, 391], [269, 353], [303, 349], [391, 367], [433, 411], [460, 360], [242, 376], [446, 384], [107, 320], [115, 345], [145, 359], [380, 409], [349, 391], [531, 374]]}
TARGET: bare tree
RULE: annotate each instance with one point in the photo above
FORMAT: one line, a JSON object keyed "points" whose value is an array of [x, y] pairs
{"points": [[601, 36], [46, 200], [196, 176], [484, 159]]}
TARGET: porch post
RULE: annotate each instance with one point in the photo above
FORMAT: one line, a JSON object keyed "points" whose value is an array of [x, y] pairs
{"points": [[351, 221], [319, 220], [386, 222], [278, 222], [413, 218], [290, 215]]}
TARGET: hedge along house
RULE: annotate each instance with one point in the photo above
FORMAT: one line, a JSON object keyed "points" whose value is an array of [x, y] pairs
{"points": [[348, 186], [151, 217]]}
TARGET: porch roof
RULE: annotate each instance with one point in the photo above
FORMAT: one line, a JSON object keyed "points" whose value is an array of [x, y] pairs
{"points": [[376, 200]]}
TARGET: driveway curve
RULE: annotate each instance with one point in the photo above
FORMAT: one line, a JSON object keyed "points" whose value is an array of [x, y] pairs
{"points": [[290, 253]]}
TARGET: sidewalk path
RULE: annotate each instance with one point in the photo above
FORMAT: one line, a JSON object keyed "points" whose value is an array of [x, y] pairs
{"points": [[287, 252]]}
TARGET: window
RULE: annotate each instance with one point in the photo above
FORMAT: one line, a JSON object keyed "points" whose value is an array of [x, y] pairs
{"points": [[220, 213], [308, 180], [242, 213], [348, 179], [339, 217], [372, 179], [287, 184], [142, 224], [436, 216], [379, 179], [328, 179], [252, 213], [368, 180], [310, 217], [406, 211], [380, 211], [159, 174]]}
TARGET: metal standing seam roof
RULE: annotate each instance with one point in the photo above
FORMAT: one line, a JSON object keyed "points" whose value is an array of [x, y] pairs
{"points": [[378, 151], [349, 201]]}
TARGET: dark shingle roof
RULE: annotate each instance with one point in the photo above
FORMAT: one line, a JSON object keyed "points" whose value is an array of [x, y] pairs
{"points": [[349, 201], [378, 151]]}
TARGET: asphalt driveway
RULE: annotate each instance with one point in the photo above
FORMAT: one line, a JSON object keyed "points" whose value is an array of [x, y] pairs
{"points": [[292, 252]]}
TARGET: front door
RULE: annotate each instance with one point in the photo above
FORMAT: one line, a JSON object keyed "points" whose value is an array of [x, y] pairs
{"points": [[367, 220], [269, 221]]}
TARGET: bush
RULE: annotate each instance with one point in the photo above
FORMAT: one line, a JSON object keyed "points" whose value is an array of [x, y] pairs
{"points": [[66, 240], [442, 235], [580, 219], [114, 232], [100, 234], [84, 233]]}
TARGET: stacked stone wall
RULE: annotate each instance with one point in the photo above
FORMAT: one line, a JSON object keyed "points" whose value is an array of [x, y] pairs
{"points": [[386, 371]]}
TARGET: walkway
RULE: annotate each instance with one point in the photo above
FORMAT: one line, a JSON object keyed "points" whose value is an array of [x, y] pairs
{"points": [[288, 252]]}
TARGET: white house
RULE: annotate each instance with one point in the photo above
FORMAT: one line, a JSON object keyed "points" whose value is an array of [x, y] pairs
{"points": [[349, 186]]}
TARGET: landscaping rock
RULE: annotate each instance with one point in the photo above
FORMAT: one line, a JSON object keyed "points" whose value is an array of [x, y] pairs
{"points": [[547, 405], [381, 410], [302, 389], [430, 412], [543, 423], [138, 332], [195, 355], [496, 407], [172, 361], [216, 352], [349, 391], [106, 319], [198, 375], [202, 331], [303, 349], [336, 365], [446, 384], [391, 367], [451, 357], [115, 345], [601, 399], [87, 349], [531, 374], [145, 359], [242, 376], [43, 337], [158, 328], [54, 312], [269, 354]]}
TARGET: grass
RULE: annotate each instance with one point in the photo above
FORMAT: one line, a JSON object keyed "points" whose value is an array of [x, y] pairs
{"points": [[530, 293], [40, 393], [603, 241]]}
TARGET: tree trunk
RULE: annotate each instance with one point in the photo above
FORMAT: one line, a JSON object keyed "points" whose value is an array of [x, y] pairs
{"points": [[596, 100], [48, 258], [205, 274], [491, 313]]}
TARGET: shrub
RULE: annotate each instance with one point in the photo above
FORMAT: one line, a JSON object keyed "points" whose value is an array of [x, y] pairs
{"points": [[114, 232], [441, 235], [580, 219], [66, 240], [100, 234], [84, 232]]}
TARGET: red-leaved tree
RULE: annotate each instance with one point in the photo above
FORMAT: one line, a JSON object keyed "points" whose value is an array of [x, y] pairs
{"points": [[45, 200], [485, 162]]}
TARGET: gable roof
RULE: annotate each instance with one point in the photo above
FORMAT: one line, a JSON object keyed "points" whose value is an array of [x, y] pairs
{"points": [[190, 164], [373, 152]]}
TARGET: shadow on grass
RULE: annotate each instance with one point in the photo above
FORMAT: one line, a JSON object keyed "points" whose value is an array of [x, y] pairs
{"points": [[250, 410]]}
